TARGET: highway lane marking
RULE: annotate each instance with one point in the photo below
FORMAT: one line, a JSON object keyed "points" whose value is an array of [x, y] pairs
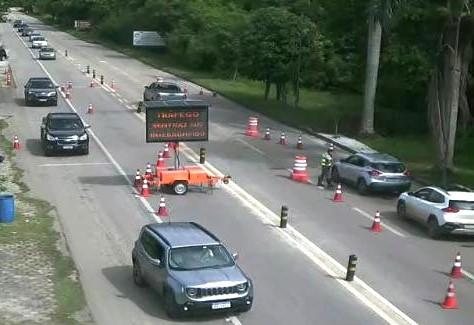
{"points": [[370, 217], [358, 288], [251, 146], [75, 164], [234, 320], [468, 274]]}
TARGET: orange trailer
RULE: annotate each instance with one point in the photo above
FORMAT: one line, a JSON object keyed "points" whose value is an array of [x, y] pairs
{"points": [[181, 178]]}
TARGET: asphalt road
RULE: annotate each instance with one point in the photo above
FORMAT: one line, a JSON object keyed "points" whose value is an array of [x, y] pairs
{"points": [[101, 215]]}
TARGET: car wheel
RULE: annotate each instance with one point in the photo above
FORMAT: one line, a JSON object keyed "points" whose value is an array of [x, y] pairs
{"points": [[85, 151], [433, 228], [402, 210], [335, 176], [55, 103], [137, 275], [27, 102], [180, 188], [362, 187], [170, 305], [47, 152]]}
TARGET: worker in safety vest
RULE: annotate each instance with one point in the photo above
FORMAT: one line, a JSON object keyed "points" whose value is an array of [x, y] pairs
{"points": [[326, 165]]}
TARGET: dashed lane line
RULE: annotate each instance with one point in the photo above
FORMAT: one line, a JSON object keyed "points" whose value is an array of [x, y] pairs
{"points": [[385, 225]]}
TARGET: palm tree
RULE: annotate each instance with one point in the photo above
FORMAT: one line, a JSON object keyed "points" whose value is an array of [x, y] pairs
{"points": [[380, 12]]}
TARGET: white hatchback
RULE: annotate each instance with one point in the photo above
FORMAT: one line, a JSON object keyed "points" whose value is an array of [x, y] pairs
{"points": [[441, 211], [39, 42]]}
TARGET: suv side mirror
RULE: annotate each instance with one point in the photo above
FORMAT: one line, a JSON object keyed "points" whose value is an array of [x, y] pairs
{"points": [[235, 256], [156, 262]]}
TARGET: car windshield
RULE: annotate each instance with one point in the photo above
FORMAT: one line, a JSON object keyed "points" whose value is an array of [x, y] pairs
{"points": [[65, 124], [199, 257], [39, 38], [388, 167], [462, 205], [41, 84], [167, 88], [45, 49]]}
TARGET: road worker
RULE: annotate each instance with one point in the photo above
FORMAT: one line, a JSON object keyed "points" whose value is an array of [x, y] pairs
{"points": [[326, 165]]}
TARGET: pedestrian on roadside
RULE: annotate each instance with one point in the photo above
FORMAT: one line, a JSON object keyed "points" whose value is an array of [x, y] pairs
{"points": [[326, 166]]}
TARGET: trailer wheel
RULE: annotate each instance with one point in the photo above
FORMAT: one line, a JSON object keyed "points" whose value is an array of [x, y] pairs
{"points": [[180, 188]]}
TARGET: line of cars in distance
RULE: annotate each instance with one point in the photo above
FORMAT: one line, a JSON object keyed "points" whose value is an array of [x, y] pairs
{"points": [[37, 40]]}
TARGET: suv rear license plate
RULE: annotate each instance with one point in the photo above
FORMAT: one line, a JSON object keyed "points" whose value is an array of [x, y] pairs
{"points": [[221, 305], [67, 147]]}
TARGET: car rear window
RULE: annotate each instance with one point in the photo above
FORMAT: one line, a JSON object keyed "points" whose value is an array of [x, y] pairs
{"points": [[42, 84], [169, 88], [65, 124], [388, 167], [45, 49], [462, 205], [39, 38]]}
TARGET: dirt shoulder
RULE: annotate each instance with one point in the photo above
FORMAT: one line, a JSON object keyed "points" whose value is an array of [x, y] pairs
{"points": [[38, 280]]}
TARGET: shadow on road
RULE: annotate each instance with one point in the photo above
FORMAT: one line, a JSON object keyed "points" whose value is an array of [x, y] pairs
{"points": [[34, 147], [145, 298], [20, 102], [115, 180]]}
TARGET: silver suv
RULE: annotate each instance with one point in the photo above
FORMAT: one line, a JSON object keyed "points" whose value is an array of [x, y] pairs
{"points": [[190, 268], [372, 172], [163, 90]]}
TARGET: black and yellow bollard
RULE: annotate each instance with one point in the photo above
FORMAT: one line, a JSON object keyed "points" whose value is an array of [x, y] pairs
{"points": [[202, 155], [351, 267], [101, 79], [284, 216], [93, 74], [88, 69]]}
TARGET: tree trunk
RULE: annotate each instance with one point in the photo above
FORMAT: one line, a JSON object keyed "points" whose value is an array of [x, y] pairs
{"points": [[268, 84], [278, 91], [236, 72], [372, 68], [465, 117]]}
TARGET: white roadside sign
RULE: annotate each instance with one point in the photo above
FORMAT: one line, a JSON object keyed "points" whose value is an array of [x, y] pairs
{"points": [[147, 38]]}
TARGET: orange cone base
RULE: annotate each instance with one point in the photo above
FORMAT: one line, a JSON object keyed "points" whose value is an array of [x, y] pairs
{"points": [[338, 197], [283, 142], [145, 192], [166, 154], [376, 227], [299, 146], [267, 137], [300, 177], [456, 272], [162, 212], [251, 133], [450, 303]]}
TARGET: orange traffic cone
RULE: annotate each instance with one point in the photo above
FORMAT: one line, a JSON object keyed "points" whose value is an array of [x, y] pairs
{"points": [[162, 210], [148, 172], [267, 134], [16, 142], [201, 92], [456, 271], [450, 301], [376, 226], [299, 144], [90, 109], [160, 163], [68, 94], [338, 194], [69, 85], [145, 189], [112, 84], [282, 139], [299, 173], [138, 179], [92, 84], [166, 151], [252, 127]]}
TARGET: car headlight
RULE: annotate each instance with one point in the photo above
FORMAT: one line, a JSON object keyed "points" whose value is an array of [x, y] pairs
{"points": [[83, 137], [52, 93], [192, 292], [75, 137], [30, 92], [50, 137], [242, 287]]}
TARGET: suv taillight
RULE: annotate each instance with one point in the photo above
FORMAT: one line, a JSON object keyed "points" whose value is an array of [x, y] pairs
{"points": [[374, 173], [450, 210]]}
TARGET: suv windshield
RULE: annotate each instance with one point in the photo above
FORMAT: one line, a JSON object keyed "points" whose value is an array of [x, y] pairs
{"points": [[41, 84], [46, 49], [166, 88], [65, 124], [39, 38], [388, 167], [199, 257], [462, 205]]}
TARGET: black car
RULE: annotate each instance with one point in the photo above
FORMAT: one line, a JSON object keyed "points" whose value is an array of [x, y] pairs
{"points": [[41, 91], [17, 23], [64, 132], [21, 27], [26, 31]]}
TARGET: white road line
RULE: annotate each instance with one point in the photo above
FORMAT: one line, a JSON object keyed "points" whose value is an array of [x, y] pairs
{"points": [[102, 61], [75, 164], [251, 146], [234, 320], [389, 228], [469, 275]]}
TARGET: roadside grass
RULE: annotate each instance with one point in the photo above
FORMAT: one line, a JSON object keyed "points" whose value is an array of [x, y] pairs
{"points": [[39, 228], [319, 111]]}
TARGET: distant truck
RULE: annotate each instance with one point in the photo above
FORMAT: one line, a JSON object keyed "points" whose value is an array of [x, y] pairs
{"points": [[163, 90]]}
